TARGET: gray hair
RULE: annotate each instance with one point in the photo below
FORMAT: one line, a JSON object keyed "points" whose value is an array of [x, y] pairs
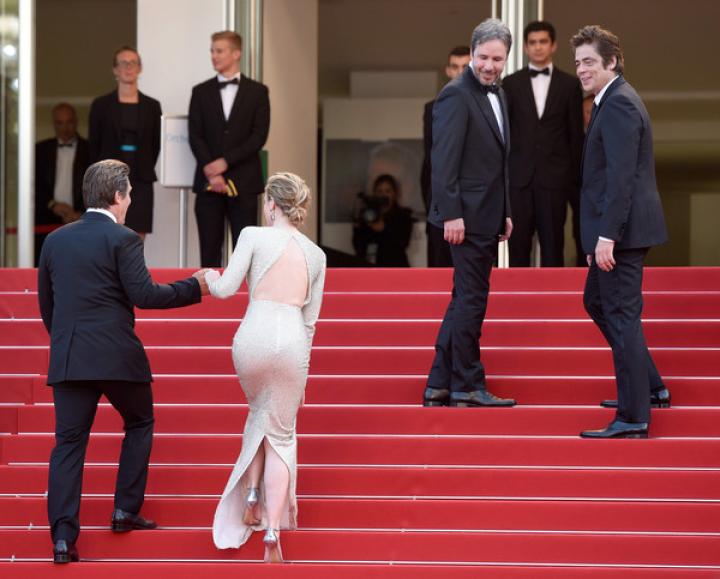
{"points": [[291, 194], [102, 180], [491, 29]]}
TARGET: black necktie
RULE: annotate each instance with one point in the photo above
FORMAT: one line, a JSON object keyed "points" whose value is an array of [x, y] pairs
{"points": [[64, 144], [223, 84], [534, 72], [489, 88], [593, 112]]}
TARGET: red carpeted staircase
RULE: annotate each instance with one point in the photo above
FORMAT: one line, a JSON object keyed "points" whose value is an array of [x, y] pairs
{"points": [[388, 488]]}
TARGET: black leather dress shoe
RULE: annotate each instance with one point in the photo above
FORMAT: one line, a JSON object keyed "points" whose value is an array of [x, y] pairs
{"points": [[659, 399], [479, 398], [122, 522], [619, 429], [65, 552], [436, 397]]}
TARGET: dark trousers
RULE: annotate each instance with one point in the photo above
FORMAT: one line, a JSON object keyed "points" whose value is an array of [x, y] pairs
{"points": [[211, 212], [544, 210], [457, 364], [75, 406], [574, 200], [438, 250], [614, 301]]}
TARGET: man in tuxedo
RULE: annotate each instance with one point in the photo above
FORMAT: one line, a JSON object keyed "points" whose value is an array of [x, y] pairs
{"points": [[60, 163], [229, 121], [438, 250], [470, 202], [621, 218], [91, 274], [545, 110]]}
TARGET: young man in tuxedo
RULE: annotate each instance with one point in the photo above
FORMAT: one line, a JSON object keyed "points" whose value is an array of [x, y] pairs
{"points": [[60, 163], [545, 110], [91, 274], [438, 250], [621, 218], [229, 121], [470, 203]]}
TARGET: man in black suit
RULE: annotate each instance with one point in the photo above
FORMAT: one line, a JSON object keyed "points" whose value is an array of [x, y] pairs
{"points": [[60, 163], [438, 250], [470, 202], [545, 110], [91, 274], [621, 218], [229, 122]]}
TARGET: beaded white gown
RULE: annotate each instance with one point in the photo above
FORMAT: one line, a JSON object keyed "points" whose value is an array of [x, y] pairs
{"points": [[271, 353]]}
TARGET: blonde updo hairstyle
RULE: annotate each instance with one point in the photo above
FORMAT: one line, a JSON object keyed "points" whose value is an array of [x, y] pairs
{"points": [[291, 195]]}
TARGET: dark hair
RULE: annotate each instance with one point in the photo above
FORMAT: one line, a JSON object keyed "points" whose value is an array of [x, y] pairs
{"points": [[390, 180], [126, 48], [604, 41], [66, 106], [232, 37], [459, 51], [539, 26], [102, 180], [491, 29]]}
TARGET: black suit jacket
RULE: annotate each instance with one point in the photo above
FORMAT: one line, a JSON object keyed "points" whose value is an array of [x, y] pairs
{"points": [[426, 171], [547, 149], [45, 162], [106, 133], [619, 199], [238, 140], [469, 158], [91, 273]]}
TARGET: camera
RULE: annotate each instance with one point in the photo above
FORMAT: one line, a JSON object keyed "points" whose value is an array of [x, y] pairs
{"points": [[371, 207]]}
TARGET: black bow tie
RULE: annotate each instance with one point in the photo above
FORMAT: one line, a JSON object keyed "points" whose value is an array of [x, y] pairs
{"points": [[534, 72], [223, 84], [64, 144], [487, 88]]}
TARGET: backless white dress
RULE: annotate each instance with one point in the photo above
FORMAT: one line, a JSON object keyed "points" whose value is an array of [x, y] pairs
{"points": [[271, 353]]}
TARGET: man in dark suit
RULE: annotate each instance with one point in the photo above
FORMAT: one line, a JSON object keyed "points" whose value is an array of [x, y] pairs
{"points": [[470, 202], [621, 218], [60, 163], [545, 110], [91, 274], [438, 250], [229, 122]]}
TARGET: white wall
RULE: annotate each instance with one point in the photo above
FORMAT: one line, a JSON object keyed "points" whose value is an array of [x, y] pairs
{"points": [[173, 38]]}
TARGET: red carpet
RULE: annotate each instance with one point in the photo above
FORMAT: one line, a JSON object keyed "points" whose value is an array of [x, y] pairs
{"points": [[386, 487]]}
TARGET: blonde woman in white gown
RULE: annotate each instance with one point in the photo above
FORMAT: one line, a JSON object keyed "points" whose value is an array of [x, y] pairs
{"points": [[271, 351]]}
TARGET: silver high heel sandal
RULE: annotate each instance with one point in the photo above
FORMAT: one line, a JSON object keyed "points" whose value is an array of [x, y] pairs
{"points": [[273, 552], [251, 502]]}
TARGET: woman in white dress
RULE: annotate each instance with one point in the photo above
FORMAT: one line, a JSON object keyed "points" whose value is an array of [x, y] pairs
{"points": [[285, 274]]}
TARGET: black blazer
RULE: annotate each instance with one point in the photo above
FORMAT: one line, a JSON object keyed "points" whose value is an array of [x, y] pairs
{"points": [[238, 140], [45, 161], [106, 133], [619, 199], [426, 171], [91, 273], [547, 148], [469, 158]]}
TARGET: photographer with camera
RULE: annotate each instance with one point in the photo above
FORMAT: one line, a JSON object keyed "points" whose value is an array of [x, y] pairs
{"points": [[380, 220]]}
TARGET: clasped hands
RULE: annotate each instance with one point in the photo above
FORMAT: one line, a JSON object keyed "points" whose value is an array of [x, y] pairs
{"points": [[200, 276], [455, 230], [214, 173]]}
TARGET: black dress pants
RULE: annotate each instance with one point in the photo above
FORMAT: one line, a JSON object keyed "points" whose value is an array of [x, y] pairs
{"points": [[614, 301], [211, 212], [535, 207], [457, 364], [438, 250], [75, 406]]}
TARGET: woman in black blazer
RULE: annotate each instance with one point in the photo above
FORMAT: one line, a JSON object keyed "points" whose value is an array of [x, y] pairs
{"points": [[125, 125]]}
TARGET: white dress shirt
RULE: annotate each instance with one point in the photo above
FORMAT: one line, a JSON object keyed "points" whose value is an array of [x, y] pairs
{"points": [[228, 93], [497, 109], [103, 211], [64, 161], [540, 86]]}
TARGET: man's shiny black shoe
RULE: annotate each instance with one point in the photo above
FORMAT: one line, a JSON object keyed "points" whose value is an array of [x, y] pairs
{"points": [[659, 399], [619, 429], [65, 552], [122, 522], [479, 398], [436, 397]]}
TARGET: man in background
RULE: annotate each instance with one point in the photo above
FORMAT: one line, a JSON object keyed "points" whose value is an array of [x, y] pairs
{"points": [[438, 250], [60, 163]]}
